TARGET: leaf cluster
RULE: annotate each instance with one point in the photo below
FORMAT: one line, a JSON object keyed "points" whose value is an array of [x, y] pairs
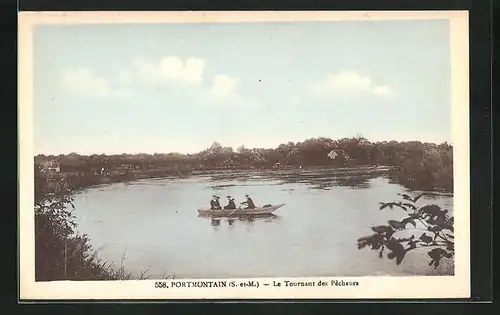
{"points": [[430, 227]]}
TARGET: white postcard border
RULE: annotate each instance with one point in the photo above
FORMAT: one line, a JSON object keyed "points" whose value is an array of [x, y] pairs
{"points": [[457, 286]]}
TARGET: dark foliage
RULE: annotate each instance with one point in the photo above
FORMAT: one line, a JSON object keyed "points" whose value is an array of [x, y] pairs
{"points": [[416, 165], [60, 253], [430, 226]]}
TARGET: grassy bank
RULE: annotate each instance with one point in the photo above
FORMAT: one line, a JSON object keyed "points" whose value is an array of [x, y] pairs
{"points": [[60, 252]]}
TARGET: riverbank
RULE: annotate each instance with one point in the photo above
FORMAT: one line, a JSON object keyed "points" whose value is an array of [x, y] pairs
{"points": [[80, 180], [61, 253]]}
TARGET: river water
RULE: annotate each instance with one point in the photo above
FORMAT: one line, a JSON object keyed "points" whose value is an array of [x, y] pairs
{"points": [[153, 225]]}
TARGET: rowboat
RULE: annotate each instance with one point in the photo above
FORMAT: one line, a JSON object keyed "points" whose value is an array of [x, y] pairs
{"points": [[268, 209]]}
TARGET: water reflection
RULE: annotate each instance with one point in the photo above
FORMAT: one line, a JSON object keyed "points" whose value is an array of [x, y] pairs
{"points": [[229, 176], [322, 179], [219, 187], [216, 221], [355, 182]]}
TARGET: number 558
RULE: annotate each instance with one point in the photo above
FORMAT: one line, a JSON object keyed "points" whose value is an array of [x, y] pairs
{"points": [[160, 284]]}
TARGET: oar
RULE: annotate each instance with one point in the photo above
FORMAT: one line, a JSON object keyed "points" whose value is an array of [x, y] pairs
{"points": [[233, 212]]}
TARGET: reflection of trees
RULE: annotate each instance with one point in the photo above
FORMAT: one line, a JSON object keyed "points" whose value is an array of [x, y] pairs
{"points": [[354, 182], [240, 176], [220, 187], [317, 179], [353, 178]]}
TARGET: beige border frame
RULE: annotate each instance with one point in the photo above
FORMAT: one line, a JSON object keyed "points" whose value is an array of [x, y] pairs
{"points": [[457, 286]]}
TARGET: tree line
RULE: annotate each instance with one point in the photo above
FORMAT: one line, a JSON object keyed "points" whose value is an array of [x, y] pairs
{"points": [[416, 165]]}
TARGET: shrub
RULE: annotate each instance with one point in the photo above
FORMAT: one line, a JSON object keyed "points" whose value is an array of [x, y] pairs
{"points": [[435, 226], [433, 169], [61, 253]]}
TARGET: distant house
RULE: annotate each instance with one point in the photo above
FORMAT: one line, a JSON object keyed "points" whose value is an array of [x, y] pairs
{"points": [[51, 167], [103, 172], [333, 154]]}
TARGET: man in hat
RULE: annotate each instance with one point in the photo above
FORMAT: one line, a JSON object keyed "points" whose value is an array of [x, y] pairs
{"points": [[214, 203], [230, 203], [248, 202]]}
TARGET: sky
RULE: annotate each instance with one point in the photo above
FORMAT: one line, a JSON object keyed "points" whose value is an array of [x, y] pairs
{"points": [[159, 88]]}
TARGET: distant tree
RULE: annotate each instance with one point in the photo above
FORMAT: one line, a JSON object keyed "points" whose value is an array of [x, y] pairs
{"points": [[241, 149], [215, 148], [415, 165], [377, 155]]}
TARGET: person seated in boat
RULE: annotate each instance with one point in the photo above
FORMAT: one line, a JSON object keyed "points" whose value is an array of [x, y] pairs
{"points": [[230, 203], [249, 203], [214, 203]]}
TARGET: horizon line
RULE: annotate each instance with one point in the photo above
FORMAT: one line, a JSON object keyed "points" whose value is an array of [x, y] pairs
{"points": [[229, 146]]}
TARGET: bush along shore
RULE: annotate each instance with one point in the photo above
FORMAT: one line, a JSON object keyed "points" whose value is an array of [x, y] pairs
{"points": [[60, 252], [415, 165]]}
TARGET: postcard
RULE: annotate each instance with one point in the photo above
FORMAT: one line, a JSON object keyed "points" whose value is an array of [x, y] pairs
{"points": [[244, 155]]}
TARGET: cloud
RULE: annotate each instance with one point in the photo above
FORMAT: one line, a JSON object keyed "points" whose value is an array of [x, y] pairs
{"points": [[185, 75], [83, 82], [181, 73], [188, 72], [349, 81], [223, 85], [171, 69], [222, 93], [381, 90]]}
